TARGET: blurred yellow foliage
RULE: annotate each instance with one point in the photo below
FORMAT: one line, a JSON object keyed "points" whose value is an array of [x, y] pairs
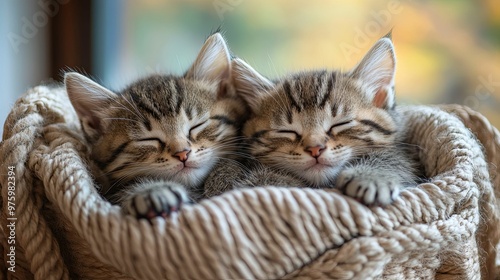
{"points": [[446, 50]]}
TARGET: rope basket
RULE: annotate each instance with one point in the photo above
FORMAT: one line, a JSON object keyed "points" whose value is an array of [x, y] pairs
{"points": [[447, 228]]}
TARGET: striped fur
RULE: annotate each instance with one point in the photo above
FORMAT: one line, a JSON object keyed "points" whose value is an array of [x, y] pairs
{"points": [[315, 125], [162, 126]]}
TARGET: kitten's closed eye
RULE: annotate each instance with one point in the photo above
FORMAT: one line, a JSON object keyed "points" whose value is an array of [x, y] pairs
{"points": [[291, 132], [194, 130], [153, 141], [285, 133], [337, 127]]}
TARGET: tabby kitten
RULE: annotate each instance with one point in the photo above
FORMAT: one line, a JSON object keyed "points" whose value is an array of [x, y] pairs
{"points": [[157, 140], [331, 128]]}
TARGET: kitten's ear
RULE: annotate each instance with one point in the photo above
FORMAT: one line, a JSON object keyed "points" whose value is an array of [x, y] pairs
{"points": [[376, 70], [90, 101], [249, 84], [213, 62]]}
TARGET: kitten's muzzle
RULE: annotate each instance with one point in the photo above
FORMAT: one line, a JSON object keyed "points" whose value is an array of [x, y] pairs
{"points": [[315, 151], [182, 155]]}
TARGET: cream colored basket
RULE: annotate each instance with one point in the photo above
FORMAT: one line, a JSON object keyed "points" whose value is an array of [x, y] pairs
{"points": [[448, 228]]}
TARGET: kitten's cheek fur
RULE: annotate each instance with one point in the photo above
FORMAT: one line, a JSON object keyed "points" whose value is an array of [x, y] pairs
{"points": [[194, 177], [319, 178]]}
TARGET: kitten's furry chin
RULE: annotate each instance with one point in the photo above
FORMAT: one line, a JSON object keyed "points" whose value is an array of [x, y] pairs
{"points": [[192, 176], [319, 175]]}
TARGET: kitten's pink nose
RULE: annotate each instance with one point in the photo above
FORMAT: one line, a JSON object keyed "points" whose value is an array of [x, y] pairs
{"points": [[316, 150], [182, 155]]}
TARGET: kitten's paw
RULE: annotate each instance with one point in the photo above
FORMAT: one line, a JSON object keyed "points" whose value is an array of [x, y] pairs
{"points": [[151, 199], [368, 189]]}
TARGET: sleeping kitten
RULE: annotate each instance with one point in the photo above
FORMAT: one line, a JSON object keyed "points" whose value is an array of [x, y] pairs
{"points": [[157, 140], [330, 128]]}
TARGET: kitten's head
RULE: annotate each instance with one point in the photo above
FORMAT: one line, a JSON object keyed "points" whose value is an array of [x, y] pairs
{"points": [[311, 124], [168, 127]]}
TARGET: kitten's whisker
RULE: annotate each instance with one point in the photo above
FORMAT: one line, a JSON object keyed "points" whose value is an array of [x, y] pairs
{"points": [[134, 107], [121, 107], [123, 119], [283, 104], [230, 147], [135, 111], [401, 143], [116, 183], [238, 154]]}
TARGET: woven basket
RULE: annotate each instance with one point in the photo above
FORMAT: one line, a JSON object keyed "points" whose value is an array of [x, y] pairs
{"points": [[448, 228]]}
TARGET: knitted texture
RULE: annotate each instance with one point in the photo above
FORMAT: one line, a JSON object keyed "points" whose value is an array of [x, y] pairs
{"points": [[447, 228]]}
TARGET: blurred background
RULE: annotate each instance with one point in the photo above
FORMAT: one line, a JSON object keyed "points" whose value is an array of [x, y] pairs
{"points": [[448, 51]]}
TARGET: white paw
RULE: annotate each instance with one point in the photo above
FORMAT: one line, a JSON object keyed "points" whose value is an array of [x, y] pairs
{"points": [[369, 189], [151, 199]]}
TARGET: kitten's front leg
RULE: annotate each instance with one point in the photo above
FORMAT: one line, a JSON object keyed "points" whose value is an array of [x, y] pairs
{"points": [[370, 186], [150, 199], [377, 179]]}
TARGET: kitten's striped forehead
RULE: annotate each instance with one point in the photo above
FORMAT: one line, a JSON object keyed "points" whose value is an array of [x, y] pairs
{"points": [[316, 91], [309, 90], [168, 96]]}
